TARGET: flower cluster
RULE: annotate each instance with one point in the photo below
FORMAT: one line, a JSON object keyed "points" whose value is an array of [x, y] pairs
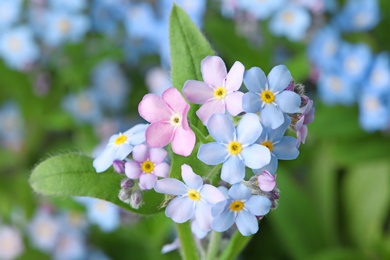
{"points": [[244, 131]]}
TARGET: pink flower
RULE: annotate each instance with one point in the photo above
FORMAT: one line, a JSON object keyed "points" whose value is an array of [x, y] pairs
{"points": [[148, 164], [266, 181], [306, 118], [168, 118], [219, 91]]}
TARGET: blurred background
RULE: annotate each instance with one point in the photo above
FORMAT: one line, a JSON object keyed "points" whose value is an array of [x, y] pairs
{"points": [[72, 73]]}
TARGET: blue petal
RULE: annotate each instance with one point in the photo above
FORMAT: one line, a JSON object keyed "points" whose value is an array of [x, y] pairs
{"points": [[255, 80], [256, 156], [271, 167], [288, 101], [180, 209], [223, 221], [218, 208], [247, 223], [170, 186], [213, 153], [233, 170], [122, 151], [278, 133], [271, 116], [279, 78], [249, 129], [258, 205], [221, 128], [251, 102], [239, 192], [191, 179], [104, 160], [286, 149]]}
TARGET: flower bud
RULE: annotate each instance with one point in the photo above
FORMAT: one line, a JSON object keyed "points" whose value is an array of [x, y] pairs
{"points": [[136, 199], [127, 183], [119, 166], [124, 195]]}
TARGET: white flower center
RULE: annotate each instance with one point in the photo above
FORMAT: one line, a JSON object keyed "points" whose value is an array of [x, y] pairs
{"points": [[176, 120]]}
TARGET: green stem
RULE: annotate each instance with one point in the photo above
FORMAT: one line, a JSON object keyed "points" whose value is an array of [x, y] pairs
{"points": [[212, 250], [213, 173], [199, 134], [236, 244], [187, 242]]}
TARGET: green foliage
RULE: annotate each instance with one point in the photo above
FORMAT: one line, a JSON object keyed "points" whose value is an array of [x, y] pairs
{"points": [[73, 175]]}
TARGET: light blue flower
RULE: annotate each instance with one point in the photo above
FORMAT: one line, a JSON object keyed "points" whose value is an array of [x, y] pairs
{"points": [[101, 213], [241, 208], [110, 84], [354, 61], [235, 148], [62, 27], [120, 146], [9, 13], [84, 106], [324, 47], [335, 88], [193, 198], [261, 9], [18, 48], [268, 96], [378, 78], [71, 244], [68, 5], [158, 80], [281, 147], [358, 15], [292, 21], [11, 126], [373, 113], [11, 242]]}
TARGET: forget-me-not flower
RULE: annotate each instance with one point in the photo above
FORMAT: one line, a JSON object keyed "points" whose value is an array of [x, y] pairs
{"points": [[241, 208], [235, 148], [261, 9], [268, 95], [374, 114]]}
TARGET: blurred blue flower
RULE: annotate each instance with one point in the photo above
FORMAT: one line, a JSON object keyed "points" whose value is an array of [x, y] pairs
{"points": [[354, 61], [71, 245], [261, 9], [158, 80], [11, 126], [84, 106], [11, 242], [378, 78], [281, 147], [68, 5], [374, 113], [102, 213], [335, 88], [324, 47], [61, 27], [292, 21], [18, 48], [358, 15], [106, 16], [195, 9], [110, 84], [141, 22], [9, 13]]}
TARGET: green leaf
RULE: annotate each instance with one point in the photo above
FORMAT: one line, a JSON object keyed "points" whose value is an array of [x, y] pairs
{"points": [[366, 198], [73, 175], [188, 48]]}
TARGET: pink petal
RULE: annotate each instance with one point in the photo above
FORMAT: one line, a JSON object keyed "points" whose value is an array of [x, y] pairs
{"points": [[266, 181], [175, 100], [234, 103], [197, 92], [153, 108], [140, 153], [162, 170], [235, 77], [210, 108], [213, 70], [132, 170], [157, 155], [211, 194], [159, 134], [146, 181], [183, 141]]}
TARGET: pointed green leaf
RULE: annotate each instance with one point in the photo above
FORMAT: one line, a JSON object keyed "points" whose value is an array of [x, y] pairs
{"points": [[188, 48], [73, 175]]}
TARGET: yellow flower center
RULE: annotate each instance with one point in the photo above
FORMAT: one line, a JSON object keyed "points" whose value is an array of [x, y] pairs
{"points": [[268, 144], [234, 147], [193, 195], [120, 139], [175, 120], [267, 96], [236, 205], [64, 26], [147, 166], [220, 93]]}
